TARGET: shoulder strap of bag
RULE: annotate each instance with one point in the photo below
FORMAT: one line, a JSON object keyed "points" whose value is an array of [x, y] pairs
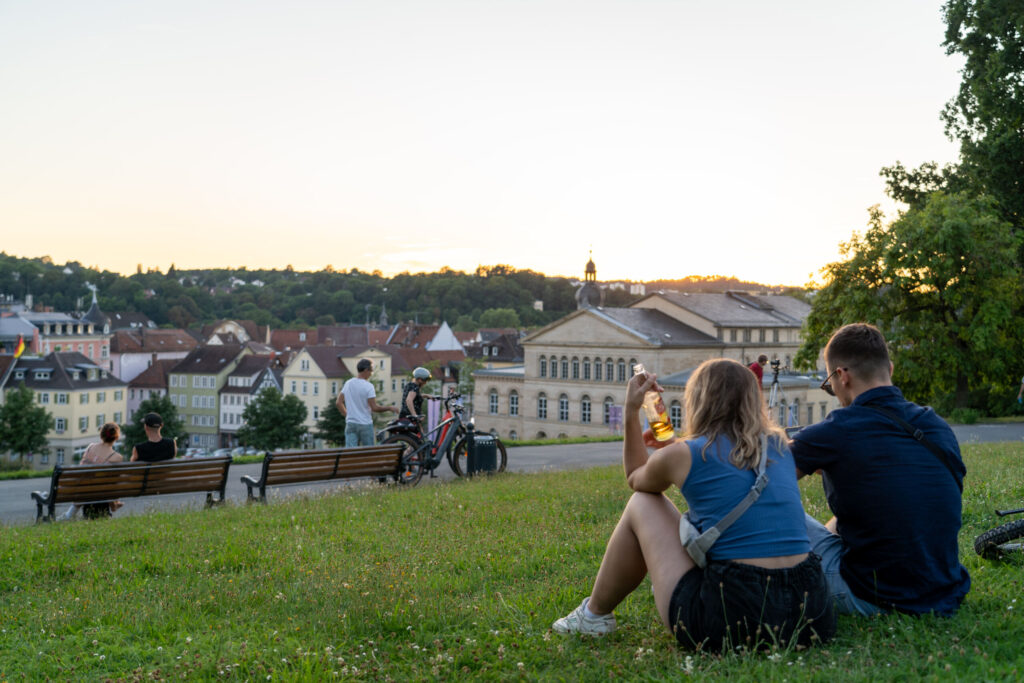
{"points": [[708, 538], [919, 436]]}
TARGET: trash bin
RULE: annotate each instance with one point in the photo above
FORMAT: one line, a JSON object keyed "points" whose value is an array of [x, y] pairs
{"points": [[482, 455]]}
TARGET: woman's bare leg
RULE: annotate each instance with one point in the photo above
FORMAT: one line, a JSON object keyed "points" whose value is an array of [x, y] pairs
{"points": [[646, 540]]}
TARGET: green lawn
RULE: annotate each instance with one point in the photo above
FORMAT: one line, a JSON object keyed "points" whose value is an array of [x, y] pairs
{"points": [[445, 581]]}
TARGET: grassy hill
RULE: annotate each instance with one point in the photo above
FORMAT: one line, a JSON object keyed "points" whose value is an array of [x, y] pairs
{"points": [[446, 581]]}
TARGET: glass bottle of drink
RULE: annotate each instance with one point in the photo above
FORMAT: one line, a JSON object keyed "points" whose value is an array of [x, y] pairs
{"points": [[654, 411]]}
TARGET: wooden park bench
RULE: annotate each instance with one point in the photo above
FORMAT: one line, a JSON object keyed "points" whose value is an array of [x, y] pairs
{"points": [[297, 467], [104, 483]]}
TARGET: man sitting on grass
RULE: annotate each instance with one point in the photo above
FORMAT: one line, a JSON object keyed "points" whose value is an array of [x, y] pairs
{"points": [[892, 545]]}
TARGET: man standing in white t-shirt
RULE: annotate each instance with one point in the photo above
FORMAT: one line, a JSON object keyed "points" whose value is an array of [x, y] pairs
{"points": [[358, 402]]}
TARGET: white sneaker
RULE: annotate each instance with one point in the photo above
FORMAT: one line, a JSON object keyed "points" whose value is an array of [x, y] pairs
{"points": [[577, 621]]}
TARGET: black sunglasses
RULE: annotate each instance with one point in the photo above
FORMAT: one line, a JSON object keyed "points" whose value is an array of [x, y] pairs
{"points": [[826, 386]]}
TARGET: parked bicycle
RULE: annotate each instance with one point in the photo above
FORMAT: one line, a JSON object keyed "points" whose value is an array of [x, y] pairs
{"points": [[450, 439], [1002, 540]]}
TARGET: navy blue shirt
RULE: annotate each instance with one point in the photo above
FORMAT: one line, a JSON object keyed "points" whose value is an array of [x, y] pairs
{"points": [[897, 506]]}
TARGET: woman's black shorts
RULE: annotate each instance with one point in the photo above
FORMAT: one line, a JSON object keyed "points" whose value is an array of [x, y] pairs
{"points": [[728, 605]]}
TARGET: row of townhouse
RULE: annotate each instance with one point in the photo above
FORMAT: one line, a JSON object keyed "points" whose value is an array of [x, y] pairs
{"points": [[571, 381]]}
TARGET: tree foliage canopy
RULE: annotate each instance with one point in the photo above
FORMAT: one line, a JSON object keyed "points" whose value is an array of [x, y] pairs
{"points": [[23, 424], [273, 421], [987, 114], [943, 284]]}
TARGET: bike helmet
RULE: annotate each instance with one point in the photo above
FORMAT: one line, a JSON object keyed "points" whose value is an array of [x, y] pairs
{"points": [[421, 373]]}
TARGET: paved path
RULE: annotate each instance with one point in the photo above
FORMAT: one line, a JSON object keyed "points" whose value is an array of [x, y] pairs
{"points": [[18, 508]]}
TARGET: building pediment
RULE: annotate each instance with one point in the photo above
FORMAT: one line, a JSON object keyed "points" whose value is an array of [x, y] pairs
{"points": [[586, 326]]}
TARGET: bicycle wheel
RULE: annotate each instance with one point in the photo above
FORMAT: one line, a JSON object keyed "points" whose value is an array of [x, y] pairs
{"points": [[458, 457], [410, 462], [997, 542]]}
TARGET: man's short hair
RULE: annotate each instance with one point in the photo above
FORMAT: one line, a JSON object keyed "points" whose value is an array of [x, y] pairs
{"points": [[153, 420], [762, 359], [364, 365], [859, 346]]}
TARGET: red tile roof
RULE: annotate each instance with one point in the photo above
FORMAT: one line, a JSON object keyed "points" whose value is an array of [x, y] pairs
{"points": [[155, 376], [143, 340]]}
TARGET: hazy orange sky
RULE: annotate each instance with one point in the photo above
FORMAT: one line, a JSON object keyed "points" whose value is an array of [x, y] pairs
{"points": [[672, 138]]}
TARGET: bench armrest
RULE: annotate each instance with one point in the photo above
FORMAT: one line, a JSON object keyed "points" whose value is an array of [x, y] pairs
{"points": [[43, 498], [252, 483]]}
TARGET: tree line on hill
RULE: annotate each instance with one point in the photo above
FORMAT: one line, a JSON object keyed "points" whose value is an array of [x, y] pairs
{"points": [[492, 296]]}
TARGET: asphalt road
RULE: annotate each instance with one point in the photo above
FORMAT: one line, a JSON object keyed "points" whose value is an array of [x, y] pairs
{"points": [[17, 507]]}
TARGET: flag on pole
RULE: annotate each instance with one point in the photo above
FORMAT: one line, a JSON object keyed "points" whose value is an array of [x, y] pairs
{"points": [[20, 347]]}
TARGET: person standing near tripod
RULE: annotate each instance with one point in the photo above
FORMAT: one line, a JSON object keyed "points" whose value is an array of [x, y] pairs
{"points": [[757, 367]]}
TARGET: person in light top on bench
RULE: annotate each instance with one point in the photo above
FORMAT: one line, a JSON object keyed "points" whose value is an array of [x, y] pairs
{"points": [[155, 448], [100, 453]]}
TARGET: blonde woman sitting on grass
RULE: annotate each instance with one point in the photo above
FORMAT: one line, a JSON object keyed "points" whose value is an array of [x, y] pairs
{"points": [[761, 584]]}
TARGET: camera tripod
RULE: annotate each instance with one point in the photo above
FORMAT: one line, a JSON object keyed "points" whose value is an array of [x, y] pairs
{"points": [[776, 394]]}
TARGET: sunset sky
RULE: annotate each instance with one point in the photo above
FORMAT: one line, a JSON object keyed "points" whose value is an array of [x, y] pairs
{"points": [[680, 138]]}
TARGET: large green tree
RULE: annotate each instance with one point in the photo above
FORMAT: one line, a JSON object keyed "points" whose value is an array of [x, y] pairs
{"points": [[174, 427], [23, 424], [987, 114], [273, 421], [331, 425], [943, 284]]}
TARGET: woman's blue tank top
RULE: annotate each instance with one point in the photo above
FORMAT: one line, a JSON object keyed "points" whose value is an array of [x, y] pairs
{"points": [[773, 526]]}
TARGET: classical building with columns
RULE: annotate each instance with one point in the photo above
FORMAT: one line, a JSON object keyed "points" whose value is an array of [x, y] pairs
{"points": [[572, 381]]}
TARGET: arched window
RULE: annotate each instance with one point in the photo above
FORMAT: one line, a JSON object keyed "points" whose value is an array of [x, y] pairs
{"points": [[492, 402], [543, 366], [586, 369], [622, 371], [781, 417], [675, 415], [632, 364], [575, 368], [608, 403], [563, 408], [513, 435], [585, 410], [565, 368], [597, 369], [542, 435], [542, 406], [513, 404], [609, 370], [554, 367]]}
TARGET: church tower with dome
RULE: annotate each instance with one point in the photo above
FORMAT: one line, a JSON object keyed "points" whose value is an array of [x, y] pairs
{"points": [[590, 295]]}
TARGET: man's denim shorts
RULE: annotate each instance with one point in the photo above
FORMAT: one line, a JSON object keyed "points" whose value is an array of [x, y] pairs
{"points": [[358, 435], [829, 547]]}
